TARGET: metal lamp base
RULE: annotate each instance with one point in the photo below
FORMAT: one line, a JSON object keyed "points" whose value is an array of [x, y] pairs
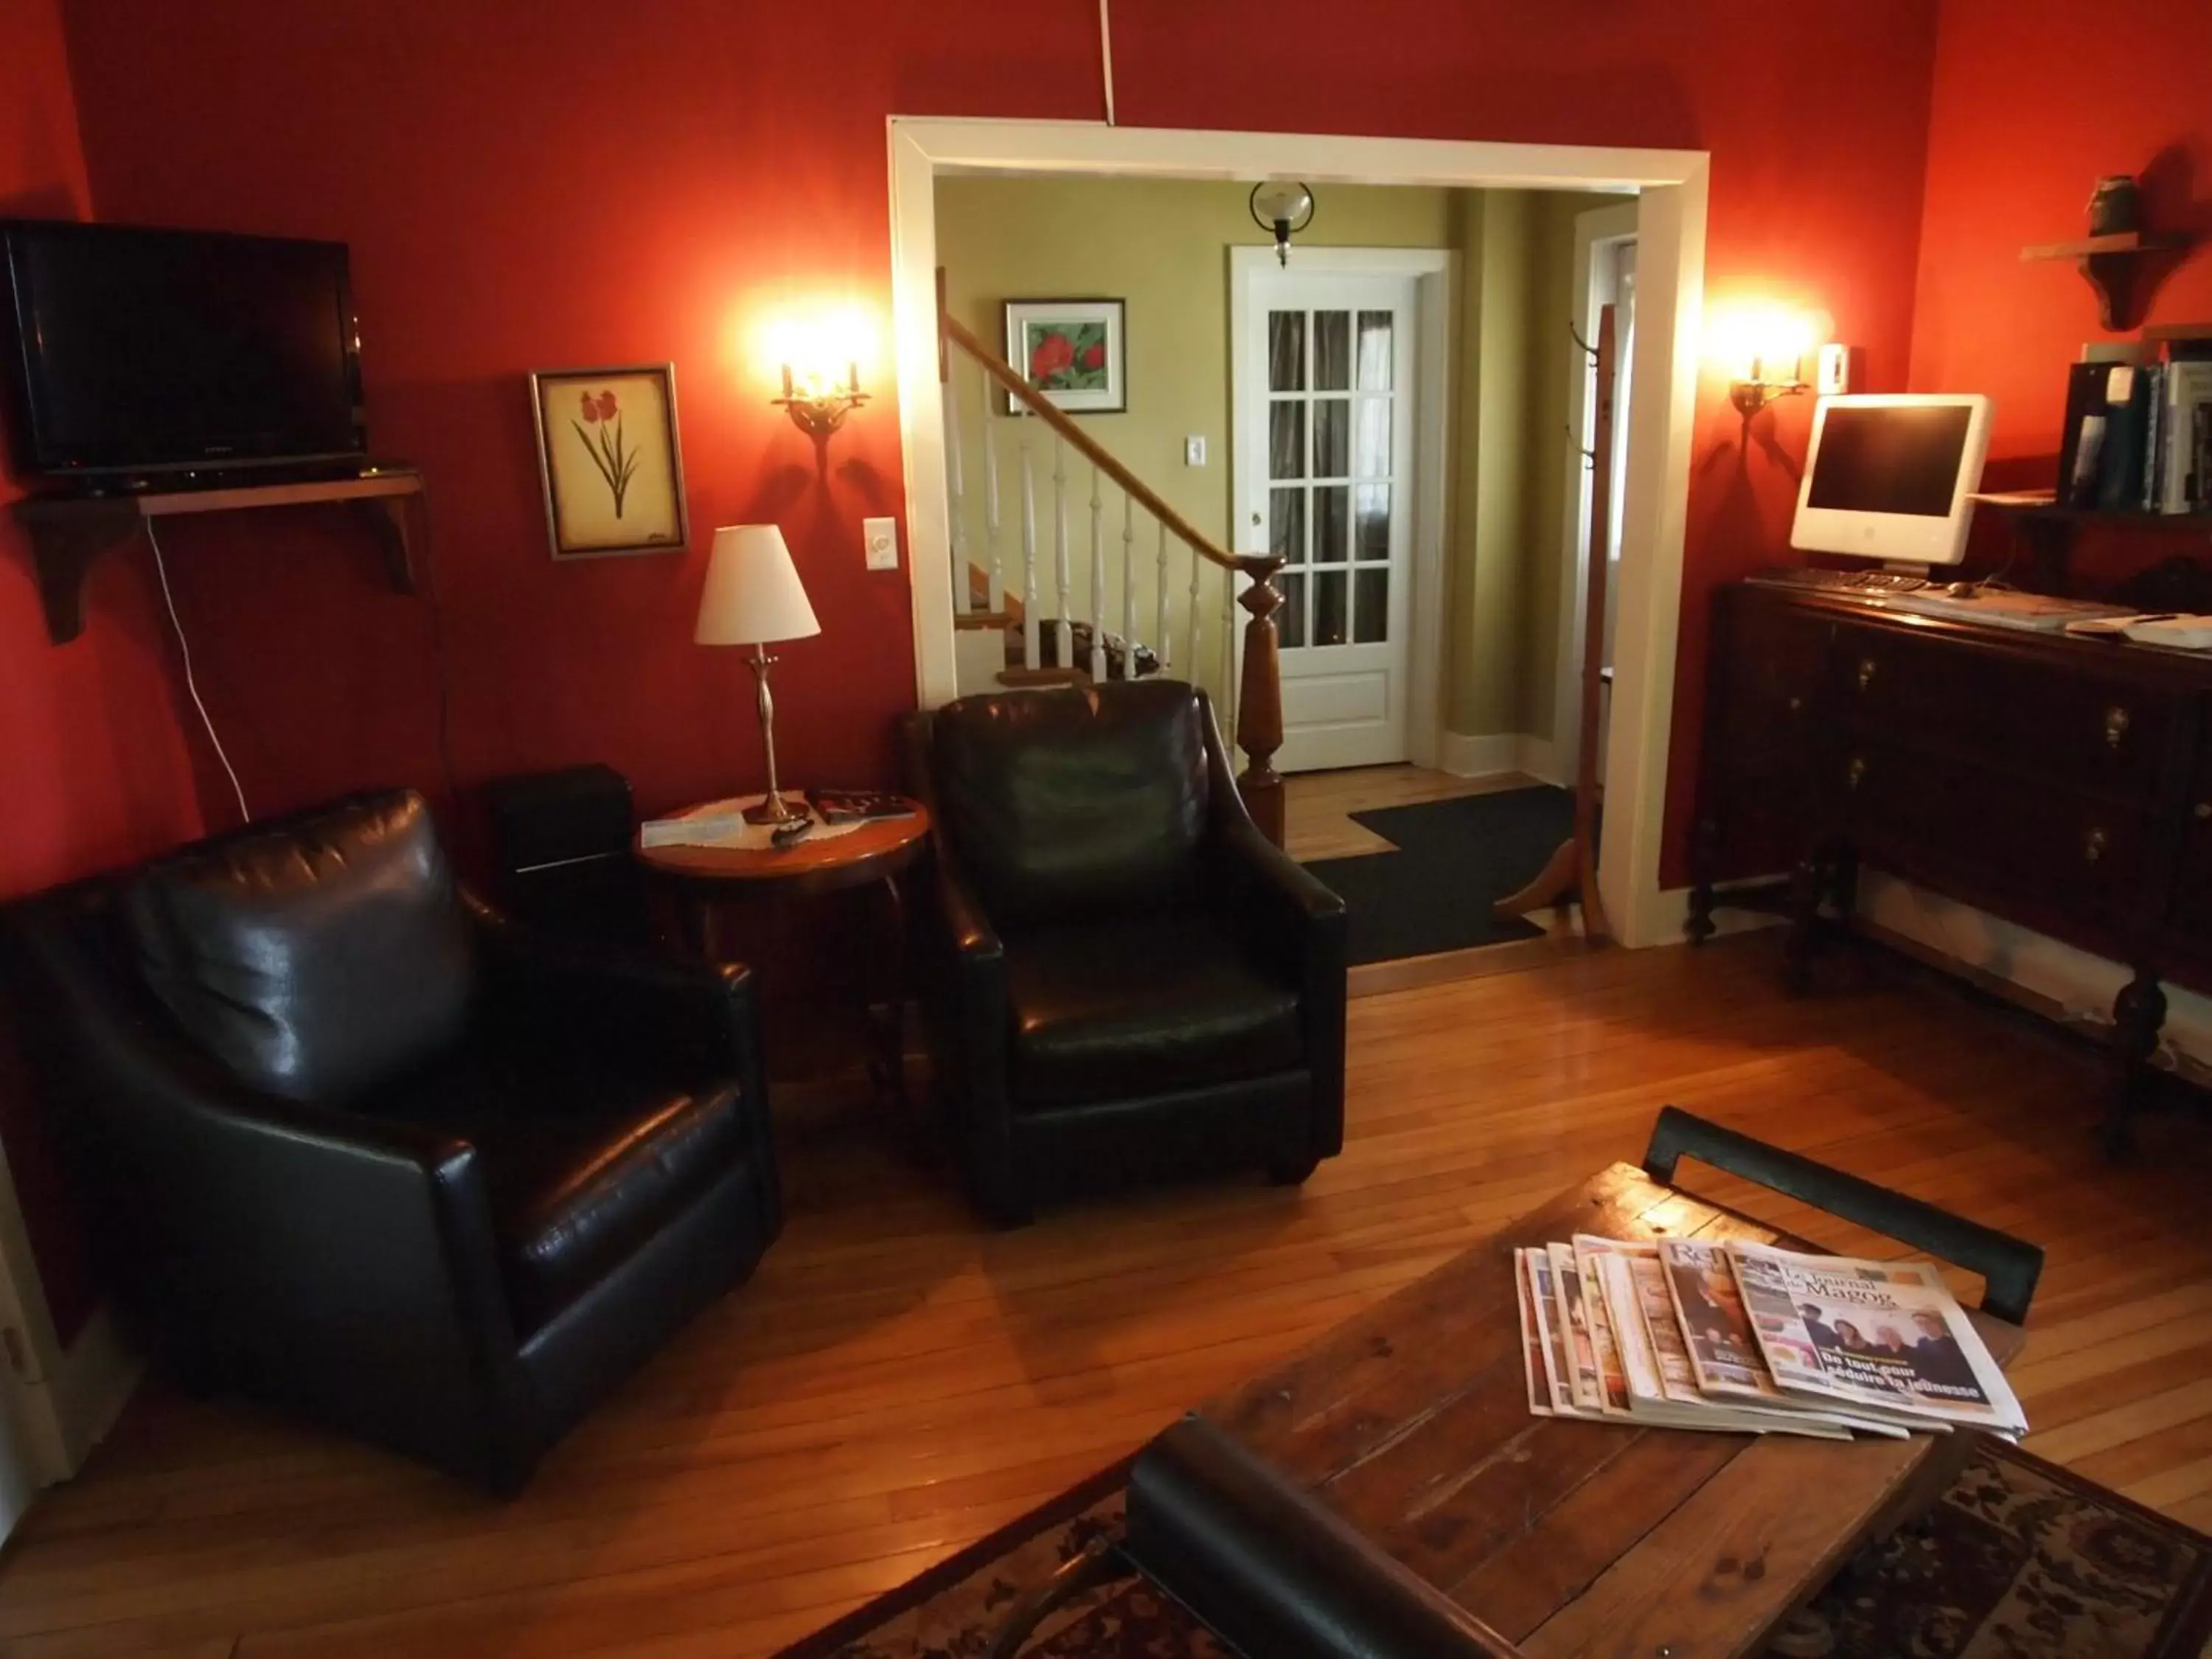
{"points": [[777, 811]]}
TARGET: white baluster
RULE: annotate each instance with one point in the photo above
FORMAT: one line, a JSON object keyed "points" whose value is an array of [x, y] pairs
{"points": [[1166, 629], [1128, 588], [955, 481], [1097, 580], [995, 563], [1229, 687], [1030, 640], [1197, 570], [1063, 570]]}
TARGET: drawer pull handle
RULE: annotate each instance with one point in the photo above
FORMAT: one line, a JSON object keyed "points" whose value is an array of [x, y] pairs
{"points": [[2116, 725], [2093, 845], [1866, 672], [2204, 809], [1796, 703], [1855, 771]]}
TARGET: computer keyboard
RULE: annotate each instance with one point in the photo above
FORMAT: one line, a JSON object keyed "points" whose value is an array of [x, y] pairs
{"points": [[1842, 581]]}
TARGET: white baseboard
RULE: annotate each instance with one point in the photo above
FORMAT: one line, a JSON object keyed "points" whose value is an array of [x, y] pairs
{"points": [[1673, 913], [2071, 986], [1473, 754], [98, 1374], [2075, 987]]}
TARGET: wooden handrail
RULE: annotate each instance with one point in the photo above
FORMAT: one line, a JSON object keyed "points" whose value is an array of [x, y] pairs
{"points": [[1259, 712], [1094, 452]]}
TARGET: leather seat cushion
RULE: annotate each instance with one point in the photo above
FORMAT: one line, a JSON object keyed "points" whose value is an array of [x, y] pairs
{"points": [[1138, 1005], [582, 1165], [315, 955]]}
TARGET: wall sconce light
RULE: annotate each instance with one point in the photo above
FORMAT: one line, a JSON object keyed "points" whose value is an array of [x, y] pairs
{"points": [[1284, 207], [1765, 348], [820, 360]]}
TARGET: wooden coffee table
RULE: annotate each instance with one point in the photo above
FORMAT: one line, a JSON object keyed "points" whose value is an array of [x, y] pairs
{"points": [[1574, 1538]]}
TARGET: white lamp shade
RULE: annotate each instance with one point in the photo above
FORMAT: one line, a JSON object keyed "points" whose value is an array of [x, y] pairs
{"points": [[753, 594]]}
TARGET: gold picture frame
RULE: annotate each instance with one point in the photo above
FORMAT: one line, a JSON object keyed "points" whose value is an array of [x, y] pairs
{"points": [[610, 460]]}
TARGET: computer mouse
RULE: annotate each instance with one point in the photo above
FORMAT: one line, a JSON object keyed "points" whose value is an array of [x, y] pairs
{"points": [[1963, 590]]}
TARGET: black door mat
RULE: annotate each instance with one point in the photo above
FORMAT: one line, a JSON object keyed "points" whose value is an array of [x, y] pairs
{"points": [[1455, 859]]}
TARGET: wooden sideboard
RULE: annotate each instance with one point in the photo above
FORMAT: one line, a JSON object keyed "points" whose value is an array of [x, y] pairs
{"points": [[2063, 784]]}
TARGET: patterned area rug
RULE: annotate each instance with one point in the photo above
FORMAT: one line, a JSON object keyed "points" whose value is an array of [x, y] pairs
{"points": [[2020, 1560]]}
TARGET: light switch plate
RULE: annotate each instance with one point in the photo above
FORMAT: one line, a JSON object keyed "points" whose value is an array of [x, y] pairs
{"points": [[1194, 452], [880, 538], [1835, 371]]}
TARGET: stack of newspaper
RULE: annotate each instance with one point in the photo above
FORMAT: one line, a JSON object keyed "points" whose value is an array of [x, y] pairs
{"points": [[1745, 1338]]}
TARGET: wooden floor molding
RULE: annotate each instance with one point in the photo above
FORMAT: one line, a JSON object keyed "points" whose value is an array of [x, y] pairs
{"points": [[898, 1380]]}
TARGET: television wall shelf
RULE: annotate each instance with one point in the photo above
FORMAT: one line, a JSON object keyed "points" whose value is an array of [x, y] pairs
{"points": [[2111, 265], [69, 535]]}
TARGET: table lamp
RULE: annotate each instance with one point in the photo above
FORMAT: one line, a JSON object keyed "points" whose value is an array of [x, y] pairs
{"points": [[753, 597]]}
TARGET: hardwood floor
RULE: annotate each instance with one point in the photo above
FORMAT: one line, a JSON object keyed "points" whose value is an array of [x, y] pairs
{"points": [[1317, 806], [897, 1381]]}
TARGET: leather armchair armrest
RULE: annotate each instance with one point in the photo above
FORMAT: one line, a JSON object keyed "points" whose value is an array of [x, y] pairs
{"points": [[965, 997], [1287, 917], [661, 1009], [342, 1261]]}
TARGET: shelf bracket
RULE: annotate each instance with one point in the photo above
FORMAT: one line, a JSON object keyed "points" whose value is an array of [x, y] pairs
{"points": [[67, 539], [69, 536], [390, 521]]}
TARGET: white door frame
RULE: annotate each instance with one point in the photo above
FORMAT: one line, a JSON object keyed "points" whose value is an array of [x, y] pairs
{"points": [[1670, 274], [1433, 271], [1606, 224]]}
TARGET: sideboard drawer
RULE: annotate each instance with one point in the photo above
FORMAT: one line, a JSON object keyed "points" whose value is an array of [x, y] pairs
{"points": [[2077, 728], [1991, 836]]}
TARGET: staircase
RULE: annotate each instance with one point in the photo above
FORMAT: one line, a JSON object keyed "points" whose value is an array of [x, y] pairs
{"points": [[1189, 574]]}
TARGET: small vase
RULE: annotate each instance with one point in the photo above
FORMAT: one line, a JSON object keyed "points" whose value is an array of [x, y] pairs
{"points": [[2114, 206]]}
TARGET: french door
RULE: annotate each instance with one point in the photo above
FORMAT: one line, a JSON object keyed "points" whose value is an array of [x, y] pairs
{"points": [[1326, 406]]}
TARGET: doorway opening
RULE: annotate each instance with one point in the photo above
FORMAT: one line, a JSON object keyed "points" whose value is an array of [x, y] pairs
{"points": [[1671, 188]]}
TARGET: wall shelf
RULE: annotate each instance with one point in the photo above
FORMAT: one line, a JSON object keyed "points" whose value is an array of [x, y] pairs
{"points": [[2110, 265], [69, 535]]}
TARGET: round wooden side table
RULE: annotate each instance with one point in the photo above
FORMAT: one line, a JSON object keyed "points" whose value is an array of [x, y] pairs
{"points": [[877, 853]]}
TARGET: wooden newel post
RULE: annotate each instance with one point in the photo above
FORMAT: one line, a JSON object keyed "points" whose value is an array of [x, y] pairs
{"points": [[1259, 696]]}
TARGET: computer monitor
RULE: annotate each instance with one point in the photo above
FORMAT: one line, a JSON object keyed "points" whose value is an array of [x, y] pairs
{"points": [[1890, 477]]}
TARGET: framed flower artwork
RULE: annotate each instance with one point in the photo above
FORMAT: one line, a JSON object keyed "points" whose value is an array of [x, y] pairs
{"points": [[609, 459], [1073, 352]]}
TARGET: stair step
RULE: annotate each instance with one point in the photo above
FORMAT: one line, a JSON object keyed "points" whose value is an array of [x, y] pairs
{"points": [[977, 619], [1043, 677]]}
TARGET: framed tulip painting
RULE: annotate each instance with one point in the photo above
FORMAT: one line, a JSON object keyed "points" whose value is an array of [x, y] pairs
{"points": [[1073, 352], [608, 454]]}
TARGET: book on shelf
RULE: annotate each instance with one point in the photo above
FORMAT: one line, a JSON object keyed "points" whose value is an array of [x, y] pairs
{"points": [[2137, 437], [1729, 1337], [2184, 468]]}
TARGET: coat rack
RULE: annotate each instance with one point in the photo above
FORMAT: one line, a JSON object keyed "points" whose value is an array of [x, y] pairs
{"points": [[1569, 875]]}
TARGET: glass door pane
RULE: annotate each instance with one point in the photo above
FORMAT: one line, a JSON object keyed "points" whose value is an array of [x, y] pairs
{"points": [[1286, 351]]}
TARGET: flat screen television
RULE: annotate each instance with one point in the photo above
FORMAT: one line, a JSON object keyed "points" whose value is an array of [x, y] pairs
{"points": [[160, 352]]}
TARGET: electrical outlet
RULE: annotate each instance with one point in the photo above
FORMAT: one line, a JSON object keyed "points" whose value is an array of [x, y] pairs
{"points": [[880, 538], [1194, 452]]}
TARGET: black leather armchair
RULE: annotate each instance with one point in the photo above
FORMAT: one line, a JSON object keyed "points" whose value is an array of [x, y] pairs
{"points": [[1127, 977], [358, 1147]]}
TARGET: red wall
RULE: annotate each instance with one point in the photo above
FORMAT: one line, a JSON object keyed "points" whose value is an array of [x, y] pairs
{"points": [[2034, 101], [573, 192], [93, 761]]}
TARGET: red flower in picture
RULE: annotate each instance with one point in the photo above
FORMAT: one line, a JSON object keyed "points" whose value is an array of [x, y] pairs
{"points": [[617, 462], [1094, 355], [1053, 353]]}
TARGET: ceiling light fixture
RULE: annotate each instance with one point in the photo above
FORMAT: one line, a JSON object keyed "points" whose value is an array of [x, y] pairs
{"points": [[1284, 206]]}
